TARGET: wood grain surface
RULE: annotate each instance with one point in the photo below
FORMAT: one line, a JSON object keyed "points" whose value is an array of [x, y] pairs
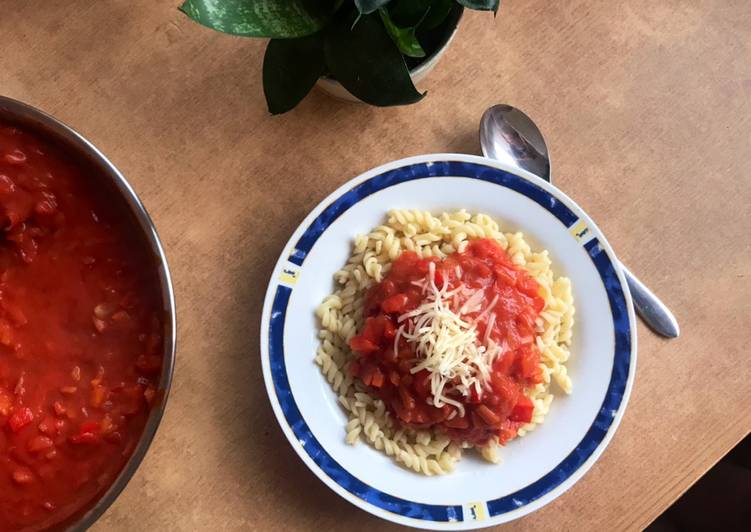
{"points": [[646, 107]]}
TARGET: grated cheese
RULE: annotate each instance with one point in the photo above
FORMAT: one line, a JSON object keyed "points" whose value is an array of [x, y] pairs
{"points": [[446, 341]]}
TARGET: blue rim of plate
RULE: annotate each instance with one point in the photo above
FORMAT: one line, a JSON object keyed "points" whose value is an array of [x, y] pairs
{"points": [[613, 396]]}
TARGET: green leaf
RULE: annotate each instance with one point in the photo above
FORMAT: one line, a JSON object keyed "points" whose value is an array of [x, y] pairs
{"points": [[427, 13], [439, 10], [484, 5], [369, 6], [260, 18], [367, 63], [290, 69], [404, 38]]}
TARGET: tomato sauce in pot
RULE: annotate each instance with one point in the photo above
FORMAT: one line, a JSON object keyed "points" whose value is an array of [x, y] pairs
{"points": [[81, 326]]}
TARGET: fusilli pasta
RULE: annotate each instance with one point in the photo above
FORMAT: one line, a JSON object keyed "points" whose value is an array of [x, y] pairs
{"points": [[341, 317]]}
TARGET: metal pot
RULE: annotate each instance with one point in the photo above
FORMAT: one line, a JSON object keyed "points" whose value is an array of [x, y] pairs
{"points": [[27, 117]]}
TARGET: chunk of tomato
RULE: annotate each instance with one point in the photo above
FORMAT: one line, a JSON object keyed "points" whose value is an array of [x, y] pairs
{"points": [[367, 371], [506, 389], [377, 379], [506, 275], [360, 344], [523, 410], [394, 304], [528, 363], [407, 400], [527, 285], [505, 363]]}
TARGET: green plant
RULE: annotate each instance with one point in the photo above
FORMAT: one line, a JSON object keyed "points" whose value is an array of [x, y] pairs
{"points": [[366, 45]]}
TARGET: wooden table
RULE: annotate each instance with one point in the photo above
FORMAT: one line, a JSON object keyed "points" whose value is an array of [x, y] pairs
{"points": [[646, 106]]}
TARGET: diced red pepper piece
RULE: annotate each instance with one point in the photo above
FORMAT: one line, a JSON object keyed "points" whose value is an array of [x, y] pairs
{"points": [[523, 410]]}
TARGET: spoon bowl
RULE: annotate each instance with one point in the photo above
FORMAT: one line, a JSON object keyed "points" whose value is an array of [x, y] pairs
{"points": [[510, 136]]}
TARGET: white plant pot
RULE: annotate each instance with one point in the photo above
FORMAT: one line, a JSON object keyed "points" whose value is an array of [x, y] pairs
{"points": [[333, 88]]}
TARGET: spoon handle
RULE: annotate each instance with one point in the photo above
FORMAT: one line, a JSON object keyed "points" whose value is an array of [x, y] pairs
{"points": [[653, 311]]}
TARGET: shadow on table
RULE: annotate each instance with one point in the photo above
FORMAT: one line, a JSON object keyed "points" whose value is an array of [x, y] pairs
{"points": [[720, 500]]}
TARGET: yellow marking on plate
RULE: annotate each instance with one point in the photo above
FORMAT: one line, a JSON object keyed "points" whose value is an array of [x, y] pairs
{"points": [[580, 231], [477, 511], [289, 276]]}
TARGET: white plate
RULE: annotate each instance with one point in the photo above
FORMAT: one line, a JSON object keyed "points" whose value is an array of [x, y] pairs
{"points": [[536, 468]]}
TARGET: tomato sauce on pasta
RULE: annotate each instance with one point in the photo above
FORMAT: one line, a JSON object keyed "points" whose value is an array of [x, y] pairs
{"points": [[496, 302]]}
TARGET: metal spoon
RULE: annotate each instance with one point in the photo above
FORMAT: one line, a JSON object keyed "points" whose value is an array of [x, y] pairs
{"points": [[510, 136]]}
